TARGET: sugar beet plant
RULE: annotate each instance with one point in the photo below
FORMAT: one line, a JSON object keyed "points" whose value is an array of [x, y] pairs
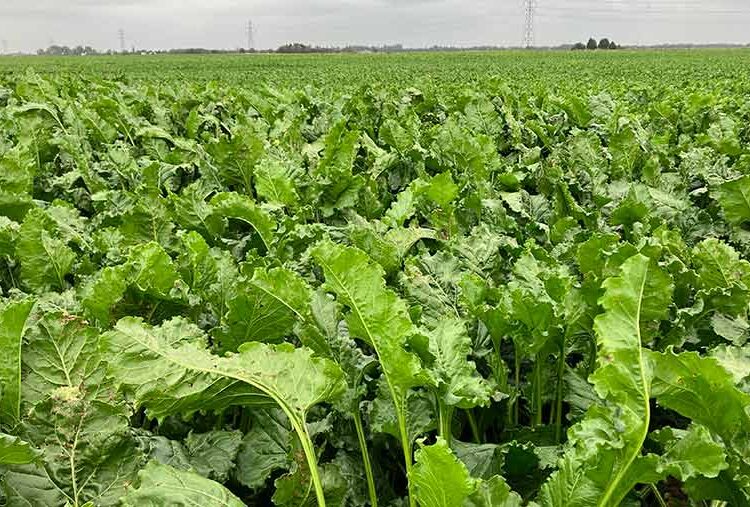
{"points": [[480, 296]]}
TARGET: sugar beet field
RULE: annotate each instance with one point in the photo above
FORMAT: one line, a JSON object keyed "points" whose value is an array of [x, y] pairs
{"points": [[410, 280]]}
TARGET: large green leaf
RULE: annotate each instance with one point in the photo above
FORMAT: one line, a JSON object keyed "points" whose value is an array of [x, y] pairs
{"points": [[734, 198], [442, 480], [169, 370], [264, 449], [72, 414], [45, 257], [13, 319], [607, 443], [239, 207], [103, 291], [14, 451], [213, 454], [266, 308], [161, 485], [439, 478], [458, 382], [376, 315], [274, 181]]}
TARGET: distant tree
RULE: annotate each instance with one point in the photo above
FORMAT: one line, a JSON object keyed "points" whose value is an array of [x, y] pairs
{"points": [[578, 46], [612, 45], [591, 44], [295, 47], [604, 43]]}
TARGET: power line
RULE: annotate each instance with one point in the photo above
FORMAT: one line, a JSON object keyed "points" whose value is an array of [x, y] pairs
{"points": [[121, 36], [5, 47], [528, 25]]}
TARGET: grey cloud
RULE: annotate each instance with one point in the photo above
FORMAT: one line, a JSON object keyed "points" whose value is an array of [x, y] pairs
{"points": [[29, 24]]}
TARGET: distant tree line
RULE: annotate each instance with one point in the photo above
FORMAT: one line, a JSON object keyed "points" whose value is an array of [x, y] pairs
{"points": [[592, 44], [55, 50]]}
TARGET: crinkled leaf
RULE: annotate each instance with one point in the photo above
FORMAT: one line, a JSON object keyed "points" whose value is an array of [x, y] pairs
{"points": [[30, 485], [439, 479], [494, 492], [170, 370], [266, 308], [239, 207], [275, 182], [212, 454], [264, 449], [152, 270], [701, 389], [161, 485], [458, 382], [418, 420], [103, 291], [736, 360], [73, 414], [604, 446], [46, 259]]}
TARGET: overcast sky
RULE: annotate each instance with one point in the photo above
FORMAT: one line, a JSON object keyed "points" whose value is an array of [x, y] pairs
{"points": [[30, 24]]}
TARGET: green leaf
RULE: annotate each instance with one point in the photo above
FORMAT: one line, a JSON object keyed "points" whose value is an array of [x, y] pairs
{"points": [[686, 454], [156, 364], [103, 291], [239, 207], [8, 236], [606, 444], [442, 480], [30, 485], [458, 382], [719, 265], [18, 167], [439, 478], [14, 451], [736, 360], [45, 258], [72, 413], [161, 485], [169, 372], [734, 199], [431, 282], [690, 453], [266, 308], [441, 190], [152, 271], [482, 460], [403, 207], [734, 330], [568, 486], [264, 449], [339, 188], [376, 315], [701, 389], [635, 207], [13, 319], [274, 182], [418, 420], [212, 454], [494, 492], [196, 264], [293, 489]]}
